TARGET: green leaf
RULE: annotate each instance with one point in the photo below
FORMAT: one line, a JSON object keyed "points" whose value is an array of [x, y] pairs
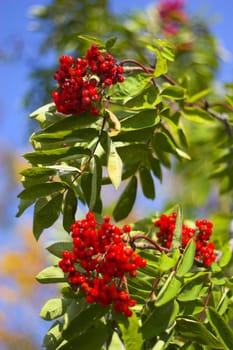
{"points": [[199, 95], [54, 308], [196, 331], [110, 42], [141, 281], [169, 290], [187, 259], [156, 167], [92, 39], [41, 190], [147, 99], [46, 212], [72, 124], [147, 183], [116, 343], [191, 290], [38, 171], [126, 201], [95, 182], [134, 153], [69, 209], [45, 114], [177, 235], [92, 339], [161, 65], [51, 274], [190, 307], [53, 337], [23, 205], [162, 142], [142, 120], [160, 319], [133, 85], [197, 115], [166, 263], [221, 328], [54, 155], [131, 333], [226, 255], [173, 92], [114, 165], [86, 181], [58, 247], [84, 320], [80, 135], [229, 99]]}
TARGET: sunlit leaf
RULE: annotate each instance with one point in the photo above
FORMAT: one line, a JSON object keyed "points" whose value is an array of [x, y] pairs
{"points": [[197, 115], [92, 39], [131, 333], [199, 95], [187, 259], [169, 290], [166, 262], [173, 92]]}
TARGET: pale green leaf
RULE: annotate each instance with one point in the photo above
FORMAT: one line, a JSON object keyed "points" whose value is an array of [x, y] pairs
{"points": [[131, 333], [51, 274], [53, 309], [187, 259], [169, 290]]}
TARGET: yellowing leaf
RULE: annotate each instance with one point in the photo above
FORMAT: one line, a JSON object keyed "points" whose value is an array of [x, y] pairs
{"points": [[114, 166]]}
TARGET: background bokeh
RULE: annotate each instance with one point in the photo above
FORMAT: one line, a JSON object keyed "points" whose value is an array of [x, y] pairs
{"points": [[21, 258]]}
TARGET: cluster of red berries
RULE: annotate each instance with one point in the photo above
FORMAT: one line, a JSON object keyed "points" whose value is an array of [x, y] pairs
{"points": [[99, 262], [204, 249], [81, 82], [172, 16]]}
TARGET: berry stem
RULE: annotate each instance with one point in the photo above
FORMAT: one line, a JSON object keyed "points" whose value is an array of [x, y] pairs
{"points": [[153, 244], [202, 316], [145, 69]]}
